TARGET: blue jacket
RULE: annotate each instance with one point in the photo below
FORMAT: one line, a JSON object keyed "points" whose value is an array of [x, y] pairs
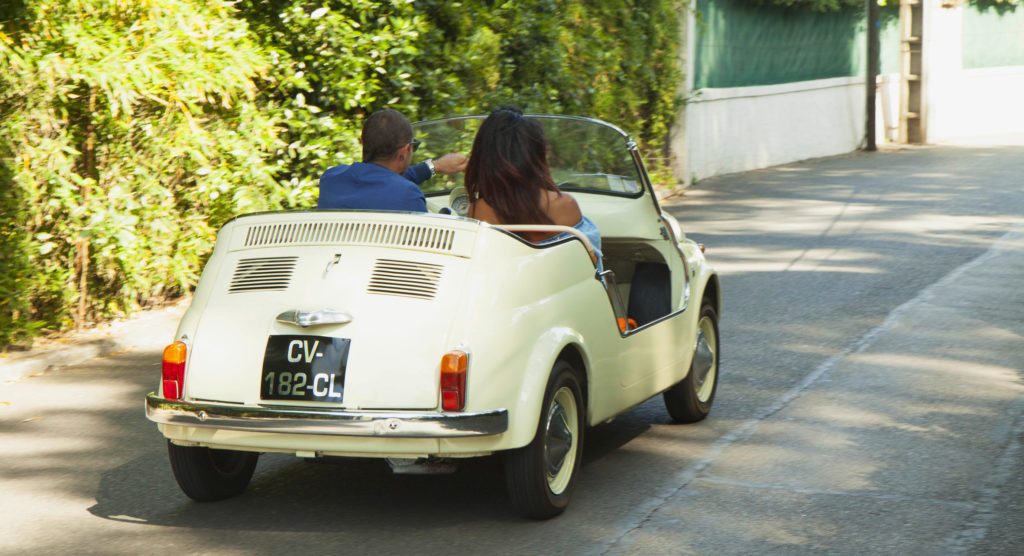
{"points": [[367, 186]]}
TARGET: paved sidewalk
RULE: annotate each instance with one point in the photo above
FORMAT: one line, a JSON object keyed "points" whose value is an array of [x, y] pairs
{"points": [[146, 330], [936, 390]]}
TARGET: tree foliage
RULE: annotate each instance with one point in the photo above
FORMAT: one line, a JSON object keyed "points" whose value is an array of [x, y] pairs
{"points": [[338, 61], [332, 63], [130, 131]]}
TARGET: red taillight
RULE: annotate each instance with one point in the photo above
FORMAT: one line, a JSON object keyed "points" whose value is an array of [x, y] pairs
{"points": [[174, 370], [453, 381]]}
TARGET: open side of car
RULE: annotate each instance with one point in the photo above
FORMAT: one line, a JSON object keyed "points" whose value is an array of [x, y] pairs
{"points": [[430, 337]]}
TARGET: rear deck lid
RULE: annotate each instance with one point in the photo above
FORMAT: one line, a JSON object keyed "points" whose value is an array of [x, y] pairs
{"points": [[379, 292]]}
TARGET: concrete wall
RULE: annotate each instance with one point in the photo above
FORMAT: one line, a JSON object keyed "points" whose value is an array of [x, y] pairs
{"points": [[721, 131], [965, 104], [979, 104], [737, 129]]}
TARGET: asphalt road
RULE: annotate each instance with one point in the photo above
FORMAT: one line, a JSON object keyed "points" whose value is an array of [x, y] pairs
{"points": [[871, 401]]}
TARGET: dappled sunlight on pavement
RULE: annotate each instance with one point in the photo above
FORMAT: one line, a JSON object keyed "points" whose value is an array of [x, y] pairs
{"points": [[925, 393]]}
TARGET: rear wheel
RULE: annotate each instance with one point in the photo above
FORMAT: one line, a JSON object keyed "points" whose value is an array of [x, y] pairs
{"points": [[690, 400], [540, 477], [208, 475]]}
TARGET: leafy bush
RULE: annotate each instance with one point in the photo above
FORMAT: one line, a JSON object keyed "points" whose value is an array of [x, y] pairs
{"points": [[130, 131], [338, 61]]}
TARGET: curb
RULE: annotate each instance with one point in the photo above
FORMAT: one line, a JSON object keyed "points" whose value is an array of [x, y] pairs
{"points": [[665, 194], [145, 331]]}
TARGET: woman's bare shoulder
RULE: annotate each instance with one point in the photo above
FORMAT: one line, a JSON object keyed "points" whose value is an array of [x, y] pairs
{"points": [[562, 209], [480, 210]]}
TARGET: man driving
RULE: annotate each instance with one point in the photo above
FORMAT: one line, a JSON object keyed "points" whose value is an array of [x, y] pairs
{"points": [[386, 179]]}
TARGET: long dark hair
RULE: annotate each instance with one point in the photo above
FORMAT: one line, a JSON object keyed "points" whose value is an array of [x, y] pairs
{"points": [[508, 167]]}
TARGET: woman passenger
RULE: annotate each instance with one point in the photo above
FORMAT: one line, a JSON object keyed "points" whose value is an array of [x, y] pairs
{"points": [[508, 180]]}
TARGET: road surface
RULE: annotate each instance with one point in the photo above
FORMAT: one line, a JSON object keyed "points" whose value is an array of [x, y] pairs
{"points": [[871, 401]]}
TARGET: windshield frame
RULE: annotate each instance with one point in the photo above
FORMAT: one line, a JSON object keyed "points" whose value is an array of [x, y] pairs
{"points": [[631, 147]]}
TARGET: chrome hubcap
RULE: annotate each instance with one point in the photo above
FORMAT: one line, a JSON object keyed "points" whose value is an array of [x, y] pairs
{"points": [[560, 440], [703, 359], [705, 365]]}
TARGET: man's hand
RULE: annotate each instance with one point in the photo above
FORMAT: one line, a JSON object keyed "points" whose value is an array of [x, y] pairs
{"points": [[450, 163]]}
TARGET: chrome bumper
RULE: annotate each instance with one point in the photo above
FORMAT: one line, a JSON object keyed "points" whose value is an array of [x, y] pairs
{"points": [[395, 424]]}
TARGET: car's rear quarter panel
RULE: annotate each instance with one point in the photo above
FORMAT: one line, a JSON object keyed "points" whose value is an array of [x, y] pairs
{"points": [[524, 305]]}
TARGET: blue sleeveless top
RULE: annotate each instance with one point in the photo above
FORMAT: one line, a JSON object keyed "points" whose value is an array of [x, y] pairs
{"points": [[589, 229]]}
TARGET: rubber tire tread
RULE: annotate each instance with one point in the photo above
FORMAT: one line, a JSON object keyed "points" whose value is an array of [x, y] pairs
{"points": [[525, 479], [201, 480], [681, 399]]}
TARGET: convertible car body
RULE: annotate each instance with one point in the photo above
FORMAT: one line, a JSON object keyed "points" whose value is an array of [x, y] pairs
{"points": [[424, 338]]}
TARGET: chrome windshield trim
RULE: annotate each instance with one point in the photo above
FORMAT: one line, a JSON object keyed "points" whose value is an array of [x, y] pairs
{"points": [[394, 424], [481, 117]]}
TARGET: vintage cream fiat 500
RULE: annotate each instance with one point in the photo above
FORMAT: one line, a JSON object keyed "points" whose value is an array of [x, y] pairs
{"points": [[424, 338]]}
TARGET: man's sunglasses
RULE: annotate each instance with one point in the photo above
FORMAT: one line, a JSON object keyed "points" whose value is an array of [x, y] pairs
{"points": [[415, 144]]}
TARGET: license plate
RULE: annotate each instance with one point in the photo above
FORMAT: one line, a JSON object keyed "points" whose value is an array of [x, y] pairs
{"points": [[310, 368]]}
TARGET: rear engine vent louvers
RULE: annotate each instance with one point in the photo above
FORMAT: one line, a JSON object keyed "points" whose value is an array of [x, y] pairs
{"points": [[429, 238], [262, 274], [405, 278]]}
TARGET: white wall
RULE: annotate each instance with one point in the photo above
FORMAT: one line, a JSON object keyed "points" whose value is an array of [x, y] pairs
{"points": [[720, 131], [964, 104], [972, 106], [742, 128], [984, 104]]}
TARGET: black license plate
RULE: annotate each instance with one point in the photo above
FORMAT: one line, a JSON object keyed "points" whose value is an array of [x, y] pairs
{"points": [[308, 368]]}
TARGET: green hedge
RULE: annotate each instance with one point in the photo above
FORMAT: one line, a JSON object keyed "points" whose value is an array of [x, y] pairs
{"points": [[130, 131]]}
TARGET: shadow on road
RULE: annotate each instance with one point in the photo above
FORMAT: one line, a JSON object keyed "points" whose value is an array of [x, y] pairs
{"points": [[291, 494]]}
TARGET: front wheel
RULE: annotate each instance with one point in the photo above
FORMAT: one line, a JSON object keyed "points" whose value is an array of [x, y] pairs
{"points": [[208, 475], [540, 476], [690, 400]]}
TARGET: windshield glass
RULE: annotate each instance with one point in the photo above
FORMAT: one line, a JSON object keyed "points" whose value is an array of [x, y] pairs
{"points": [[585, 155]]}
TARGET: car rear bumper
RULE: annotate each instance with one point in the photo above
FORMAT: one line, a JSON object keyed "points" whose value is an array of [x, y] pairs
{"points": [[394, 424]]}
